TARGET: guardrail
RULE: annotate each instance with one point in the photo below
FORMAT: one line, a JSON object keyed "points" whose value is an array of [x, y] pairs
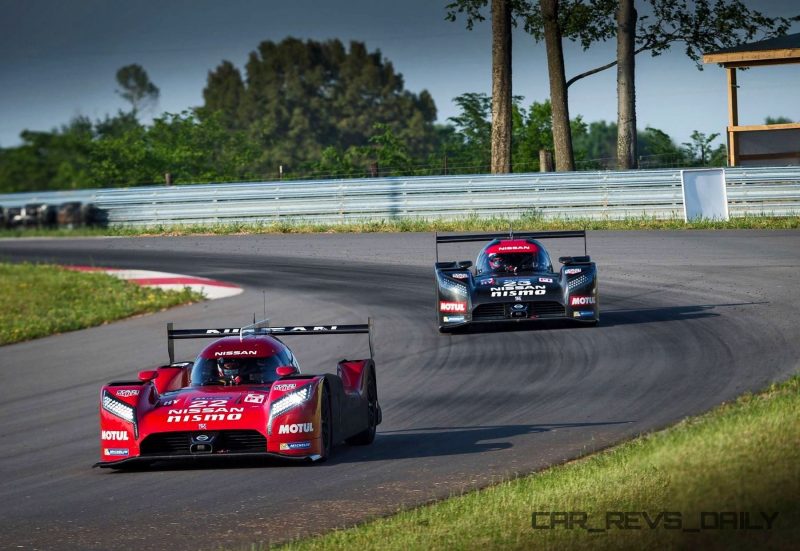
{"points": [[613, 195]]}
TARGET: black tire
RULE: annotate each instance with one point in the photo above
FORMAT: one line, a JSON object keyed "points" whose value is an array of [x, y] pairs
{"points": [[367, 436], [326, 423]]}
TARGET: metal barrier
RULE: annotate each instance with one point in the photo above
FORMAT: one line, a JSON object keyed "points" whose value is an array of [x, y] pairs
{"points": [[612, 195]]}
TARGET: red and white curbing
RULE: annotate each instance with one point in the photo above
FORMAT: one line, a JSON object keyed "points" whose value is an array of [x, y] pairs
{"points": [[212, 289]]}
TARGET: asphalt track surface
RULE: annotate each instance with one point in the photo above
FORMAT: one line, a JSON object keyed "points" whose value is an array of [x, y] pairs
{"points": [[689, 319]]}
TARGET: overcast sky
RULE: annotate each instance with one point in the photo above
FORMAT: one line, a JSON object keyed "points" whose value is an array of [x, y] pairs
{"points": [[58, 59]]}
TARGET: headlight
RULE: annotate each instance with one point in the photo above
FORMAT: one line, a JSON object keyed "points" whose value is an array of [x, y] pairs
{"points": [[449, 285], [577, 282], [120, 409], [289, 401]]}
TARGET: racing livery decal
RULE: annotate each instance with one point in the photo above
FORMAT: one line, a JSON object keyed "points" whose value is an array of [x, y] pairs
{"points": [[254, 398], [452, 306], [518, 287], [296, 428], [113, 435], [241, 392], [581, 301], [513, 279]]}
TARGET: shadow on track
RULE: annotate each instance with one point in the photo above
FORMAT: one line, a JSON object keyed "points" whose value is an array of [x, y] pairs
{"points": [[634, 316], [608, 318], [444, 441], [399, 444]]}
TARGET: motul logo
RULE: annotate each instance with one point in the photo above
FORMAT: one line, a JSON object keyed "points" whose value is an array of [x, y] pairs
{"points": [[236, 353], [452, 306], [581, 301], [296, 428], [114, 435]]}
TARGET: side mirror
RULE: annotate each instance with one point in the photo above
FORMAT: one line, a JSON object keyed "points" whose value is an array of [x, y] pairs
{"points": [[286, 370], [148, 375], [465, 264]]}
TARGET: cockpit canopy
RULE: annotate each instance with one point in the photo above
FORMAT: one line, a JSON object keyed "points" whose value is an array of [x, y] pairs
{"points": [[513, 256], [234, 361]]}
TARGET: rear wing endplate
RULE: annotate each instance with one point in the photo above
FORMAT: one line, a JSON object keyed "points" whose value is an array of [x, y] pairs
{"points": [[262, 328], [468, 237]]}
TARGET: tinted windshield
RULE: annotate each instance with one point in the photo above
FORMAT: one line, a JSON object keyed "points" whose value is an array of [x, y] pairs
{"points": [[513, 263], [244, 371]]}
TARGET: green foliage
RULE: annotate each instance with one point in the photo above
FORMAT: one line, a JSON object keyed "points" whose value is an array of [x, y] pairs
{"points": [[316, 109], [700, 25], [704, 26], [136, 87], [39, 300], [473, 10], [301, 98], [656, 149], [777, 120], [699, 149], [742, 456], [119, 151]]}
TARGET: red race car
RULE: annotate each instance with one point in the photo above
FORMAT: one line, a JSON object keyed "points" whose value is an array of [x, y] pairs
{"points": [[243, 396]]}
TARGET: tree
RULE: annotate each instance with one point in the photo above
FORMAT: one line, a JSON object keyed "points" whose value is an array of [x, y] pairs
{"points": [[223, 93], [657, 149], [626, 86], [701, 25], [562, 139], [699, 148], [777, 120], [136, 87], [503, 19], [473, 129], [301, 97], [501, 87]]}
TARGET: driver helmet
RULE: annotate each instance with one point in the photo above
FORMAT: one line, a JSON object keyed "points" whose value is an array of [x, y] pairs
{"points": [[496, 262], [229, 369]]}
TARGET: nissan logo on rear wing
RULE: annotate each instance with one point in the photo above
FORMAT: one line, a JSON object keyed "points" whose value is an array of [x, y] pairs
{"points": [[262, 328]]}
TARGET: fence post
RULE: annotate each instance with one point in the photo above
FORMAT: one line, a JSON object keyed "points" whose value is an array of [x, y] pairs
{"points": [[545, 160]]}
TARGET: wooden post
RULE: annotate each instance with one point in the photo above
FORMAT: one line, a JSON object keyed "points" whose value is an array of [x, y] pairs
{"points": [[733, 117], [168, 178], [545, 160]]}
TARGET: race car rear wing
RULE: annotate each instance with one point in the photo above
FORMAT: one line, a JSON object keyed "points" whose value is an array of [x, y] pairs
{"points": [[262, 328], [467, 237]]}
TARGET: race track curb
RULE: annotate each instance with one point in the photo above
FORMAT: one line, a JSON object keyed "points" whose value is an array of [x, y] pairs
{"points": [[211, 288]]}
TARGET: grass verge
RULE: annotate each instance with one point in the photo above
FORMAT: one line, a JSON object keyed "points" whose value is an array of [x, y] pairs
{"points": [[37, 300], [469, 223], [704, 472]]}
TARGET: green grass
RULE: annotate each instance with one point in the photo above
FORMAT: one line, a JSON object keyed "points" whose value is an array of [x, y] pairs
{"points": [[469, 223], [741, 457], [37, 300]]}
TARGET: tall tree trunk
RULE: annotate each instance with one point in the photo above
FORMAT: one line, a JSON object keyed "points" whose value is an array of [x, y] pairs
{"points": [[626, 85], [562, 138], [501, 86]]}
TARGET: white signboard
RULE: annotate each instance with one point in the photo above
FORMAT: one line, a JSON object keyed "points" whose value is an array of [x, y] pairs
{"points": [[704, 196]]}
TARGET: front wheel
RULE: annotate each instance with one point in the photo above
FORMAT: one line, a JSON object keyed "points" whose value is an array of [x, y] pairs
{"points": [[326, 425]]}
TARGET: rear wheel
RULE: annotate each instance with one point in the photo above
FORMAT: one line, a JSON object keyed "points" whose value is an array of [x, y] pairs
{"points": [[367, 436]]}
